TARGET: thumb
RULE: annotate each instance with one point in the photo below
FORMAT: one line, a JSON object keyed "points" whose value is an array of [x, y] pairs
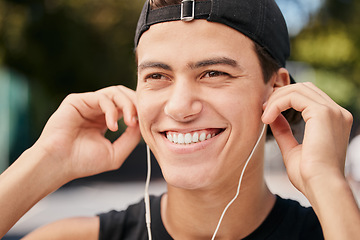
{"points": [[125, 144], [283, 135]]}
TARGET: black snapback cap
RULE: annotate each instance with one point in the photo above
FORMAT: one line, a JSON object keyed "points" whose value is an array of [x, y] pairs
{"points": [[260, 20]]}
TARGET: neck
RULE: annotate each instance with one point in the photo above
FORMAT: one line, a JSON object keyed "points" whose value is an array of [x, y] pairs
{"points": [[194, 214]]}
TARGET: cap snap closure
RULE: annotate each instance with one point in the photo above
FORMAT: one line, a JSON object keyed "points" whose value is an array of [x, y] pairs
{"points": [[187, 10]]}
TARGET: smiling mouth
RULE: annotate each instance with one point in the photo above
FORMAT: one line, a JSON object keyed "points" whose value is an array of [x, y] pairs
{"points": [[192, 137]]}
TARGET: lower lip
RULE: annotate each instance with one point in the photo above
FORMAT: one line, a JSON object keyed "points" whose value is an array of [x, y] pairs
{"points": [[188, 148]]}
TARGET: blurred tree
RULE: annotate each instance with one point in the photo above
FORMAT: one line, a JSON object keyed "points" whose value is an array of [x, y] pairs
{"points": [[65, 46], [331, 44], [77, 45]]}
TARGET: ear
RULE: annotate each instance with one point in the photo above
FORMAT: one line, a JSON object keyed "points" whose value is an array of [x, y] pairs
{"points": [[281, 78]]}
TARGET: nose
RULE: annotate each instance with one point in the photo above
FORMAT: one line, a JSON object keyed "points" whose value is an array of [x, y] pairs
{"points": [[183, 105]]}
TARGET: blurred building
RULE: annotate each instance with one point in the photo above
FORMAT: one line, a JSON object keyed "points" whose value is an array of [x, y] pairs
{"points": [[14, 120]]}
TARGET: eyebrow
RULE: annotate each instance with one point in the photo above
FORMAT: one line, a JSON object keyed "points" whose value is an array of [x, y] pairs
{"points": [[203, 63], [150, 64], [214, 61]]}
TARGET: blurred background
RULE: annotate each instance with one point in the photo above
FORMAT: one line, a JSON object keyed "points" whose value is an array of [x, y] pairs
{"points": [[51, 48]]}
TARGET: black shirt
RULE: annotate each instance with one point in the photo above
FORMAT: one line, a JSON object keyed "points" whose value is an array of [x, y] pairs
{"points": [[288, 220]]}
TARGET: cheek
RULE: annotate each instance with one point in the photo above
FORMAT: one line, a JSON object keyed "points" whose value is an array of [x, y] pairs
{"points": [[149, 109], [239, 103]]}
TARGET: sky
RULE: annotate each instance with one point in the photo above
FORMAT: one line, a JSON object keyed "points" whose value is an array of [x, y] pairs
{"points": [[297, 13]]}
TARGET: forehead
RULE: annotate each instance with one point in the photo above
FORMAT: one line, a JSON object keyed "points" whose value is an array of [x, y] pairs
{"points": [[186, 40]]}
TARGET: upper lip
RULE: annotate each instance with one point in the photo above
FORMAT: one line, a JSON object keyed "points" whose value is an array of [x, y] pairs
{"points": [[188, 127], [212, 131], [178, 130]]}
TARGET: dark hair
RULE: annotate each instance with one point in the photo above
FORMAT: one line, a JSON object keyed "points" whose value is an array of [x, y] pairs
{"points": [[163, 3], [268, 64], [269, 67]]}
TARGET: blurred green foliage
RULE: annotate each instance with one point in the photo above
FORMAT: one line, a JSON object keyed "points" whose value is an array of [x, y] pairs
{"points": [[65, 46], [331, 45]]}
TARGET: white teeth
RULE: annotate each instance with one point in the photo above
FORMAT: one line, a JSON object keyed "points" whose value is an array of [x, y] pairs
{"points": [[195, 137], [202, 137], [181, 138], [169, 136], [188, 138]]}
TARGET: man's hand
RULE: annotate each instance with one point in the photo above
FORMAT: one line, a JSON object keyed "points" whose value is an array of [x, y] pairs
{"points": [[74, 134], [72, 145], [316, 167]]}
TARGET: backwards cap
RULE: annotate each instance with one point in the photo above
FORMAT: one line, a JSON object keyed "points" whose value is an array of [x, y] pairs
{"points": [[260, 20]]}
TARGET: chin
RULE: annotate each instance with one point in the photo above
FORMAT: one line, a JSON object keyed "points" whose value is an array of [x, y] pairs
{"points": [[187, 178]]}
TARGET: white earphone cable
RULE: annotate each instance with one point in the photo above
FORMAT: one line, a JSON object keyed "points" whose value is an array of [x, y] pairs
{"points": [[240, 180], [146, 197]]}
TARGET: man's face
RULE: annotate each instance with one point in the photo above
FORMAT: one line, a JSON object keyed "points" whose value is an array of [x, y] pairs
{"points": [[199, 98]]}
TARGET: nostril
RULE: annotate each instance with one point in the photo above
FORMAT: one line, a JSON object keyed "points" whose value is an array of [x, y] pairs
{"points": [[183, 112], [196, 107]]}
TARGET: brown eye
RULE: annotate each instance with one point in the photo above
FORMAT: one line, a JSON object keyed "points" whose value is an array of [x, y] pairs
{"points": [[212, 74], [155, 76]]}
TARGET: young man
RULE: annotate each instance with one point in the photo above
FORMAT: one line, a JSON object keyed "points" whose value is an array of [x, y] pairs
{"points": [[204, 94]]}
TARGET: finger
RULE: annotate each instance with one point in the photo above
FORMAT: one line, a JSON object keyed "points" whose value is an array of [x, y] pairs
{"points": [[100, 103], [277, 105], [94, 108], [345, 113], [128, 96], [283, 135], [125, 144], [306, 89], [111, 113], [319, 92], [129, 92], [123, 99]]}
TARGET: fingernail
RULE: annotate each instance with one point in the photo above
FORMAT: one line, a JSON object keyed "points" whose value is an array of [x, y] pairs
{"points": [[263, 114], [265, 104]]}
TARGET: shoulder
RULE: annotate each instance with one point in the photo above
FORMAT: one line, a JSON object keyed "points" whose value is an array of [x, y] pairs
{"points": [[71, 228], [126, 223], [298, 222], [289, 220]]}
